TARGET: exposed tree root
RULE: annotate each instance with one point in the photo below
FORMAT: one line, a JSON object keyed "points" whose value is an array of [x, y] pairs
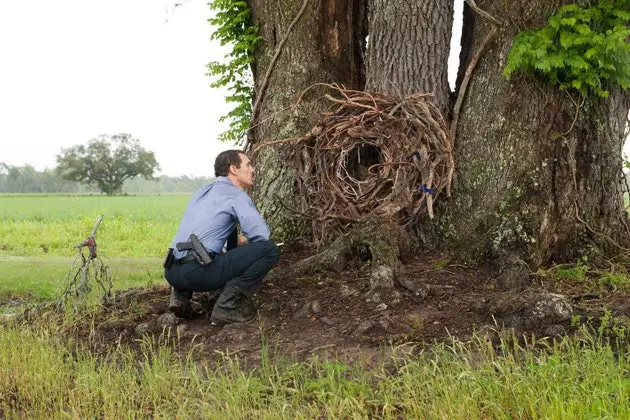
{"points": [[375, 245], [371, 165]]}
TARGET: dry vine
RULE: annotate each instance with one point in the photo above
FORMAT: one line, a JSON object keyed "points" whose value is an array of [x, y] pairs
{"points": [[496, 24], [371, 155], [263, 87]]}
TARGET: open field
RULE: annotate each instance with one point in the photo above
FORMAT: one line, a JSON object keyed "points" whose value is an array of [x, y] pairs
{"points": [[40, 278], [133, 226], [38, 234], [97, 365]]}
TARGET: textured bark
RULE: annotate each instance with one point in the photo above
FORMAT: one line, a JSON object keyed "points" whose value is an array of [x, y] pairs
{"points": [[408, 47], [407, 53], [324, 46], [525, 175]]}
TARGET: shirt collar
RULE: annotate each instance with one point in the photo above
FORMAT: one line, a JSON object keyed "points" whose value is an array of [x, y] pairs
{"points": [[225, 180]]}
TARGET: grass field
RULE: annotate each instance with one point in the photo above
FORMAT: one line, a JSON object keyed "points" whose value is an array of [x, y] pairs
{"points": [[41, 278], [43, 377], [46, 374], [133, 226], [38, 234]]}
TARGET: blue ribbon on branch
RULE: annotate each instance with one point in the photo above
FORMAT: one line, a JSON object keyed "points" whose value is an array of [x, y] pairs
{"points": [[416, 155], [423, 188]]}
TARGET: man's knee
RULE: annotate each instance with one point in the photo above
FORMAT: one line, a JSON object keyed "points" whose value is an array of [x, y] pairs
{"points": [[272, 250]]}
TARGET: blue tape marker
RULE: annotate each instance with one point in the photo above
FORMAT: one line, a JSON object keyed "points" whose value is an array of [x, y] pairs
{"points": [[423, 188]]}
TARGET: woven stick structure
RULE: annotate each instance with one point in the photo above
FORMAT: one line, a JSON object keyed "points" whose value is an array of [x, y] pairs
{"points": [[371, 156]]}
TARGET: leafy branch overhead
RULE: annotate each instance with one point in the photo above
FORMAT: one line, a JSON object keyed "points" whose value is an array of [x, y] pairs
{"points": [[233, 27], [585, 49]]}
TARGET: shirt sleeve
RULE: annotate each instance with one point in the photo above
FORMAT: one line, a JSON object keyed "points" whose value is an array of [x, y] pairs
{"points": [[252, 223]]}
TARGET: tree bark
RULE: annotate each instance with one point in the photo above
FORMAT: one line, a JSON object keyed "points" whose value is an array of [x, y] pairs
{"points": [[407, 53], [536, 182], [408, 48], [325, 45]]}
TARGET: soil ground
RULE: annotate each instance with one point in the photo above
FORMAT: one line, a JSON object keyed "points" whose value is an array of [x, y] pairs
{"points": [[328, 313]]}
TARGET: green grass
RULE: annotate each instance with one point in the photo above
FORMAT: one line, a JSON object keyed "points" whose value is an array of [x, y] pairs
{"points": [[41, 278], [38, 234], [42, 376], [32, 225], [575, 273]]}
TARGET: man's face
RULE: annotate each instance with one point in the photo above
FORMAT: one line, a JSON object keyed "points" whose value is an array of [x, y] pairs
{"points": [[243, 175]]}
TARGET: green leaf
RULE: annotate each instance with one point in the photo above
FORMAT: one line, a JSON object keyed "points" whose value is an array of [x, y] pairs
{"points": [[567, 39], [568, 8], [581, 48], [556, 60], [622, 14], [583, 29], [590, 53], [577, 62], [232, 19], [568, 21], [554, 22]]}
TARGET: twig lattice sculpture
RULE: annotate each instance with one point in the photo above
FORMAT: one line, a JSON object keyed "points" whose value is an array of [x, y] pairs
{"points": [[371, 155]]}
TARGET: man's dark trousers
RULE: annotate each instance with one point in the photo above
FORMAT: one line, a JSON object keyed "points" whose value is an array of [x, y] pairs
{"points": [[243, 267]]}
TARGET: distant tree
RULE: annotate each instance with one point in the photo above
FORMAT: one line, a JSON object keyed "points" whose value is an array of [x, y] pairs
{"points": [[106, 161]]}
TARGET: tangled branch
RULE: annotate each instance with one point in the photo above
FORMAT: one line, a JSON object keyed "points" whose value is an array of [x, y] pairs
{"points": [[91, 270]]}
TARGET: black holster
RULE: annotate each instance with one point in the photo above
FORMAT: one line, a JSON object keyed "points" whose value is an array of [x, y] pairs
{"points": [[168, 261], [196, 249]]}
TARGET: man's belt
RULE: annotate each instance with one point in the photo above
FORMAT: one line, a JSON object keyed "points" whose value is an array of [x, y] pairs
{"points": [[185, 259], [190, 257]]}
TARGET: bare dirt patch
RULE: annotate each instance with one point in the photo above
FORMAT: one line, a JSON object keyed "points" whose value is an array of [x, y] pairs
{"points": [[329, 314]]}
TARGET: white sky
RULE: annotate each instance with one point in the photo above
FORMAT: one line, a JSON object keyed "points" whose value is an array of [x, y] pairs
{"points": [[74, 69]]}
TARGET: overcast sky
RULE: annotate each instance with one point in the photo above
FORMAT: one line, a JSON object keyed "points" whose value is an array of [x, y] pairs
{"points": [[74, 69]]}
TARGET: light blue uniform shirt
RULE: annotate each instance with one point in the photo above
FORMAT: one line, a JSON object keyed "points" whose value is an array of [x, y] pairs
{"points": [[212, 214]]}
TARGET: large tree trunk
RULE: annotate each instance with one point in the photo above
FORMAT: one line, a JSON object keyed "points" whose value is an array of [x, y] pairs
{"points": [[407, 53], [325, 45], [408, 48], [533, 185]]}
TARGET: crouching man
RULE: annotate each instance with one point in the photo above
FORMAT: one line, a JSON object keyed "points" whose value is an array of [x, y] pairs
{"points": [[212, 216]]}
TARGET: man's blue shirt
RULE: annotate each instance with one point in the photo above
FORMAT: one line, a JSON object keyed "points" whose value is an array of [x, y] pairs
{"points": [[213, 213]]}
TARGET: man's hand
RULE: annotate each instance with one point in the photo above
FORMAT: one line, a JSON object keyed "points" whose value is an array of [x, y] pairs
{"points": [[241, 240]]}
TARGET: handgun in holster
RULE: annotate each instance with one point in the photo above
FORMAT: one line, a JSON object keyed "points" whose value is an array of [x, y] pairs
{"points": [[196, 248]]}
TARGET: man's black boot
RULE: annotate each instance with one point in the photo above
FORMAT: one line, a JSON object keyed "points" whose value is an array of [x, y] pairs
{"points": [[232, 307], [247, 307], [180, 304]]}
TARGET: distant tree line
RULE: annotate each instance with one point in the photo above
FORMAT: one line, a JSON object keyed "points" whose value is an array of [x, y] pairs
{"points": [[26, 179]]}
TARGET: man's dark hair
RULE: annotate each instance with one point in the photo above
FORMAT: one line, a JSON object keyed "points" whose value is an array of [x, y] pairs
{"points": [[225, 160]]}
